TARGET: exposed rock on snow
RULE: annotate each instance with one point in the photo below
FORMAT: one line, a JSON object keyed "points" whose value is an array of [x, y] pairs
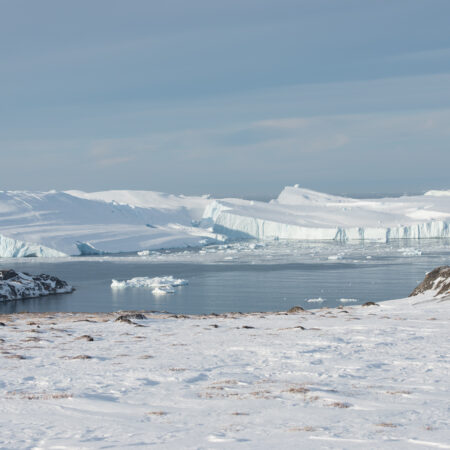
{"points": [[160, 285], [17, 285], [436, 283]]}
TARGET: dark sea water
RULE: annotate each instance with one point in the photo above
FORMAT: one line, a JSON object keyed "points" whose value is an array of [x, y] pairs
{"points": [[273, 279]]}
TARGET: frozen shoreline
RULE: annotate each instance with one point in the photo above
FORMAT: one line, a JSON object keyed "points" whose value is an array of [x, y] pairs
{"points": [[348, 377]]}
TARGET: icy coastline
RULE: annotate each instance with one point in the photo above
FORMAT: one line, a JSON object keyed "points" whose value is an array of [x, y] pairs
{"points": [[52, 224]]}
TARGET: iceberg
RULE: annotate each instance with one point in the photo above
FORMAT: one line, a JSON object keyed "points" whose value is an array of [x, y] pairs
{"points": [[302, 214], [53, 224], [159, 285]]}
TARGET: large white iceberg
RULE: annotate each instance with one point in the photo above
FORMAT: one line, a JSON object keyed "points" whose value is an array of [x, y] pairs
{"points": [[74, 222], [307, 215]]}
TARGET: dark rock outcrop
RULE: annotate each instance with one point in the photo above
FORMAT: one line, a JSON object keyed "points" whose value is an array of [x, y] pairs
{"points": [[20, 285], [437, 281]]}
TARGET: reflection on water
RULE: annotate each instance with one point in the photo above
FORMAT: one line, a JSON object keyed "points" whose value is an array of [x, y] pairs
{"points": [[241, 277]]}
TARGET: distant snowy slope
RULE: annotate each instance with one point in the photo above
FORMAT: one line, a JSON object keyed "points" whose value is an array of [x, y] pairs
{"points": [[438, 193], [57, 223], [303, 214], [182, 207]]}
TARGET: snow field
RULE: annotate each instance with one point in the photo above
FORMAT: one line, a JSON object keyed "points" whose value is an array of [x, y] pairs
{"points": [[352, 377]]}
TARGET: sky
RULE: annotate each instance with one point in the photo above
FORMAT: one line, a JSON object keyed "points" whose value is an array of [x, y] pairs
{"points": [[225, 97]]}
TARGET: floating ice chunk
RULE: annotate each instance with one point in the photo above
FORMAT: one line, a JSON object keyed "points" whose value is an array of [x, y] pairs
{"points": [[410, 252], [334, 257], [144, 253], [315, 300], [160, 285], [86, 248], [163, 290], [348, 300]]}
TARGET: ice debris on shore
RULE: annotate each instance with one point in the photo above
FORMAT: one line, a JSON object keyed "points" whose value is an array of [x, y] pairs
{"points": [[20, 285], [160, 285]]}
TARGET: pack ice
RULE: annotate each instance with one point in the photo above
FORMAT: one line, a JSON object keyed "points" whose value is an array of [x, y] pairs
{"points": [[74, 222]]}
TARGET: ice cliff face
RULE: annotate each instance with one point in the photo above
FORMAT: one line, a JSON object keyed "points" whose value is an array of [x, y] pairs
{"points": [[14, 248], [307, 215]]}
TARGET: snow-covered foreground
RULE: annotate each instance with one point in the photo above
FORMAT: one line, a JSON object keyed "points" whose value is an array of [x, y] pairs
{"points": [[54, 224], [354, 377]]}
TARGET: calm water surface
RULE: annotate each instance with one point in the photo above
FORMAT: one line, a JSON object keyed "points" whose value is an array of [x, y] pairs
{"points": [[273, 278]]}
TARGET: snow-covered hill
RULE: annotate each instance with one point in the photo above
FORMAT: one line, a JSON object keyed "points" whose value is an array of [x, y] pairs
{"points": [[75, 222]]}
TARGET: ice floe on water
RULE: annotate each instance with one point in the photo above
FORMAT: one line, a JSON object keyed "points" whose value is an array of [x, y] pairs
{"points": [[410, 251], [159, 285], [315, 300], [348, 300]]}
